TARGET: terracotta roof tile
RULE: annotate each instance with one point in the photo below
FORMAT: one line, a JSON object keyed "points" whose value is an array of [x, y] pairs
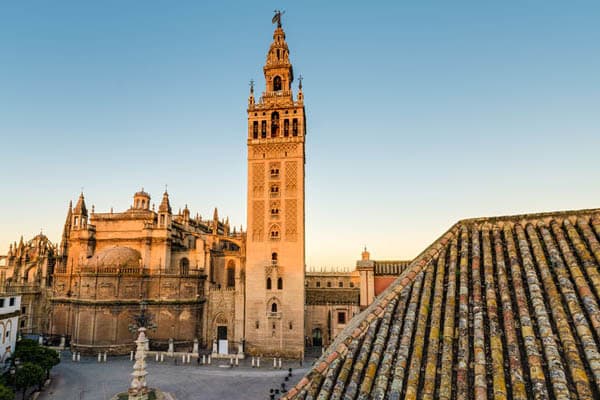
{"points": [[505, 307]]}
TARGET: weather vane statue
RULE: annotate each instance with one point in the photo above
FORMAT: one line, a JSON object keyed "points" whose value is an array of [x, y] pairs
{"points": [[277, 17]]}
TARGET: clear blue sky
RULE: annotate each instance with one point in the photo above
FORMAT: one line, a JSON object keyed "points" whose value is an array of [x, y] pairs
{"points": [[418, 114]]}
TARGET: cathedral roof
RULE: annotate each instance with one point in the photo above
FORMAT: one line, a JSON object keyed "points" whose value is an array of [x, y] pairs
{"points": [[80, 208], [165, 205], [142, 193], [505, 307], [116, 257]]}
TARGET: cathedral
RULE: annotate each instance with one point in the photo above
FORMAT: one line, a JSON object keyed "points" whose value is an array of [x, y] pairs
{"points": [[203, 284]]}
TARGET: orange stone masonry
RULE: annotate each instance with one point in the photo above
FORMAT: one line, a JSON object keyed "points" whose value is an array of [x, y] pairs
{"points": [[274, 306]]}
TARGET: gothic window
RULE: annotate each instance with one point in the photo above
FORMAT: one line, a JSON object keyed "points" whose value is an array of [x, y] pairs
{"points": [[274, 124], [295, 127], [274, 212], [286, 127], [274, 307], [274, 173], [263, 129], [255, 130], [268, 283], [277, 83], [184, 266], [231, 274], [279, 283]]}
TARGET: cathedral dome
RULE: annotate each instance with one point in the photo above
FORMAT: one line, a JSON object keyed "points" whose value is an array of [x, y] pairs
{"points": [[116, 257]]}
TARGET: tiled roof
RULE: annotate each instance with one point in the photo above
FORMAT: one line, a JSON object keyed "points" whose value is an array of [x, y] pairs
{"points": [[390, 267], [505, 307]]}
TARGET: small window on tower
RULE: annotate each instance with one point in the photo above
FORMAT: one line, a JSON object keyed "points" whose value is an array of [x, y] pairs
{"points": [[274, 307], [263, 129], [275, 173], [275, 124], [274, 190], [286, 127], [295, 127], [255, 130], [341, 318], [318, 284], [268, 283], [277, 83], [279, 283]]}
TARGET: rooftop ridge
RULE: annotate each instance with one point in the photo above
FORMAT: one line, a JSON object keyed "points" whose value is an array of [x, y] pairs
{"points": [[360, 324], [528, 216]]}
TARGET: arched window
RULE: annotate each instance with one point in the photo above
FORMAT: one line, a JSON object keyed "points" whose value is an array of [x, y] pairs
{"points": [[273, 256], [274, 124], [274, 307], [277, 83], [263, 129], [268, 283], [286, 127], [184, 266], [318, 284], [279, 283], [295, 127], [255, 130], [231, 274]]}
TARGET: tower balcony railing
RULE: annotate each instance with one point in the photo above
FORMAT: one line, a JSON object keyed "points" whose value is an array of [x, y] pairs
{"points": [[278, 93]]}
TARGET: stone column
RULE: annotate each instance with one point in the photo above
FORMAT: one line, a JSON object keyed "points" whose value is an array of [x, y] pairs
{"points": [[138, 389]]}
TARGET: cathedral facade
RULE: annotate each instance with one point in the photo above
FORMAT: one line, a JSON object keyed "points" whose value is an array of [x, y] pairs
{"points": [[173, 264]]}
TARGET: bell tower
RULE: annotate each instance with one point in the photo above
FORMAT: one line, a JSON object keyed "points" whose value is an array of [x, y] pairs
{"points": [[275, 254]]}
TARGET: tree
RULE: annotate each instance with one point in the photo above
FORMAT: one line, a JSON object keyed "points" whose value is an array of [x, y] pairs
{"points": [[30, 351], [28, 375], [6, 393]]}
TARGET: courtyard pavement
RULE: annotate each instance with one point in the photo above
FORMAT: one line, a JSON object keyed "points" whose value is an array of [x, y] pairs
{"points": [[90, 380]]}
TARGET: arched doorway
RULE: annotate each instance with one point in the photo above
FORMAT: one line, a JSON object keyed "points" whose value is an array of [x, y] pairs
{"points": [[317, 337]]}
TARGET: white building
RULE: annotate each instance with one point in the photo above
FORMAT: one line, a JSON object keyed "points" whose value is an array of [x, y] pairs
{"points": [[10, 309]]}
